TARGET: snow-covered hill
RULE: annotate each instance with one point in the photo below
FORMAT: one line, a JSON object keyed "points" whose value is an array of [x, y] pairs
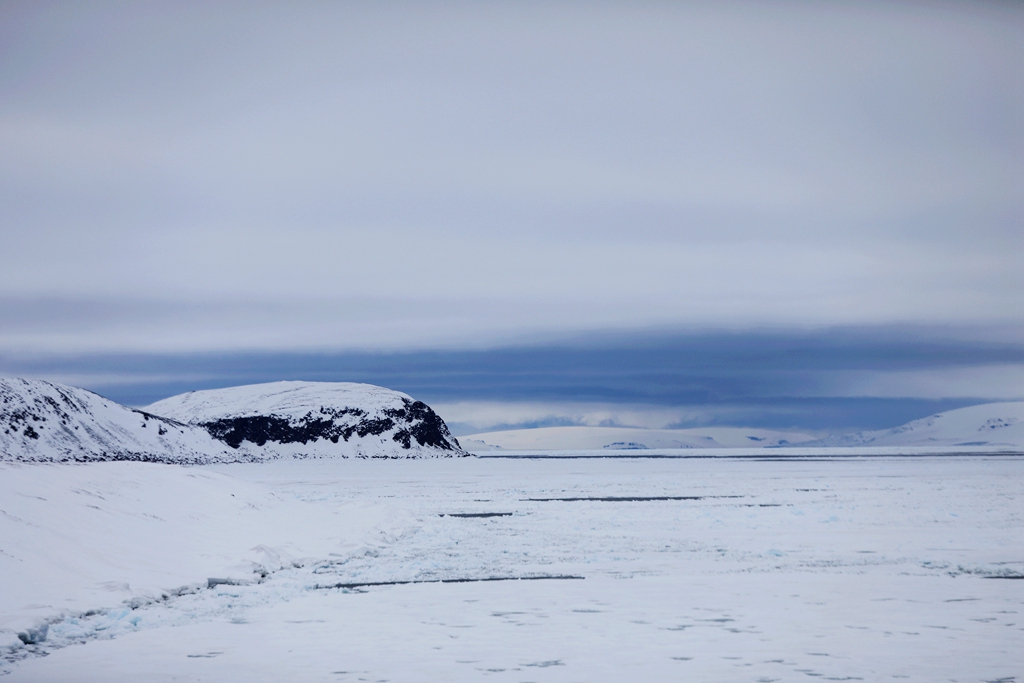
{"points": [[1000, 425], [315, 419], [45, 422], [622, 438]]}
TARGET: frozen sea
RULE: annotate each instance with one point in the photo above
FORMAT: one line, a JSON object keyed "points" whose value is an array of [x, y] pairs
{"points": [[749, 569]]}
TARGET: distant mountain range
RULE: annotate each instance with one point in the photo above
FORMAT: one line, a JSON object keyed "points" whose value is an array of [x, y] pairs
{"points": [[994, 425], [625, 438], [43, 422]]}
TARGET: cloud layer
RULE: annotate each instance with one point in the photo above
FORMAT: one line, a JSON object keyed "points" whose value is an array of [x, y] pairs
{"points": [[194, 177], [837, 379]]}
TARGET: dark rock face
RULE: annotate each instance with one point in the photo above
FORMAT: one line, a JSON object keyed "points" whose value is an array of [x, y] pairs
{"points": [[414, 421], [425, 426]]}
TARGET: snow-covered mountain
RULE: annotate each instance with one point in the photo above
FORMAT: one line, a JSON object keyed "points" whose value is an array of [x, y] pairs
{"points": [[315, 419], [45, 422], [624, 438], [999, 425]]}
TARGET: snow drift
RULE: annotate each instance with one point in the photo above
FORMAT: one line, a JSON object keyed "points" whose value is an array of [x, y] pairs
{"points": [[315, 419]]}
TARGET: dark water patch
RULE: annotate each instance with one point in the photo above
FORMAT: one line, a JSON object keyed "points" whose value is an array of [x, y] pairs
{"points": [[370, 584], [621, 499], [476, 515]]}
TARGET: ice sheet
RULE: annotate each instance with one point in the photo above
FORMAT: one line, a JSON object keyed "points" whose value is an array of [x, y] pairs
{"points": [[869, 569]]}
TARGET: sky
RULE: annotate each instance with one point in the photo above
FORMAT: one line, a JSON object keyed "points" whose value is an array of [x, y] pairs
{"points": [[196, 194]]}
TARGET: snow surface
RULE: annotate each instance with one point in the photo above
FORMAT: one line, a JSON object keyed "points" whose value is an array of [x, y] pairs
{"points": [[624, 438], [77, 537], [723, 569], [42, 422], [990, 425], [315, 419]]}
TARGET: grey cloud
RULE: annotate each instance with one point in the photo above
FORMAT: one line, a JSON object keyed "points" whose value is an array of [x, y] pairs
{"points": [[233, 174], [868, 377]]}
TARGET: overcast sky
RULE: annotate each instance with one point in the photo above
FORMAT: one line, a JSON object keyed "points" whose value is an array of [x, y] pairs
{"points": [[221, 177]]}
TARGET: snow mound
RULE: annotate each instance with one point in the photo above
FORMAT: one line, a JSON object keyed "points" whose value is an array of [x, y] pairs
{"points": [[45, 422], [315, 419], [999, 425]]}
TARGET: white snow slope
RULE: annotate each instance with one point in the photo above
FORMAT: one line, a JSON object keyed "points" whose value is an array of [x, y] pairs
{"points": [[43, 422], [621, 438], [998, 425], [315, 419]]}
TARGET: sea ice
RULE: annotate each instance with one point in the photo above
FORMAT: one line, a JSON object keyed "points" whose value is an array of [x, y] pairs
{"points": [[694, 569]]}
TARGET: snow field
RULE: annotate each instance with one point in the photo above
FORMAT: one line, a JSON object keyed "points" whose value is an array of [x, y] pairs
{"points": [[727, 628], [78, 537], [837, 570]]}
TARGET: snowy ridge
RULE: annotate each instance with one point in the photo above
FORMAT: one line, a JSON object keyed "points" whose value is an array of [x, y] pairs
{"points": [[45, 422], [315, 419], [990, 424]]}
